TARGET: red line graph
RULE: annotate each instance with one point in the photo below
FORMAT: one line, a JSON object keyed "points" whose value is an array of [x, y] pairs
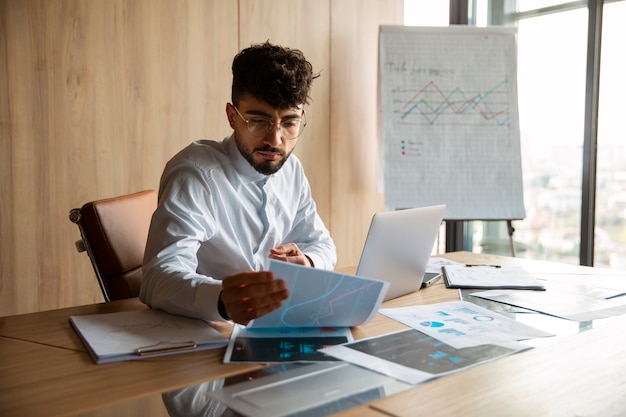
{"points": [[457, 102]]}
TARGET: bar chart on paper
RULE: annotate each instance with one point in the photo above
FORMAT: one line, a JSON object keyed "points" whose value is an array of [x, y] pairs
{"points": [[450, 121]]}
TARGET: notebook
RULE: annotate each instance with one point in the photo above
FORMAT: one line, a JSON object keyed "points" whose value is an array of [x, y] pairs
{"points": [[398, 246]]}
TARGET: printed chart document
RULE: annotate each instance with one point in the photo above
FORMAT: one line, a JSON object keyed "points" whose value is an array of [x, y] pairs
{"points": [[436, 264], [138, 334], [598, 286], [415, 357], [567, 305], [462, 324], [322, 298], [284, 344], [322, 307], [490, 276]]}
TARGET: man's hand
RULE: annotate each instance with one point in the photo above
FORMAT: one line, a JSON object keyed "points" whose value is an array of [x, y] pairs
{"points": [[249, 295], [290, 253]]}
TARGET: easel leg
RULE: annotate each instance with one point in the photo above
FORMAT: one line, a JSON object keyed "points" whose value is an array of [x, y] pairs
{"points": [[509, 225]]}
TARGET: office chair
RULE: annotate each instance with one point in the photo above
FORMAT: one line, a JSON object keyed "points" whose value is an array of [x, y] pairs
{"points": [[114, 233]]}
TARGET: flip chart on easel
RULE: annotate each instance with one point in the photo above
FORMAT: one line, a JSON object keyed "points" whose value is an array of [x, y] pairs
{"points": [[450, 121]]}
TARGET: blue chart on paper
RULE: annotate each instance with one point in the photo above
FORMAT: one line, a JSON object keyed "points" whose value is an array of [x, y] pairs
{"points": [[322, 298], [432, 324], [417, 350]]}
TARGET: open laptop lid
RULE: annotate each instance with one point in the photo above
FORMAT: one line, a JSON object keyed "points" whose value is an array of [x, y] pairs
{"points": [[398, 247]]}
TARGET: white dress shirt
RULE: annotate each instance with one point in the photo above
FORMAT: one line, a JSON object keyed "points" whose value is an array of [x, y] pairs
{"points": [[218, 216]]}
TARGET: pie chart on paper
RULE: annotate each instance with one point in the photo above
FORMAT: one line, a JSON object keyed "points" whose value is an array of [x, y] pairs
{"points": [[432, 324]]}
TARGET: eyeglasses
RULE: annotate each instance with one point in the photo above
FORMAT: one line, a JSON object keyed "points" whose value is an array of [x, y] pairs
{"points": [[289, 129]]}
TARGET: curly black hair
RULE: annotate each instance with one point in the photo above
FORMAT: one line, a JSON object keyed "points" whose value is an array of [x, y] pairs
{"points": [[277, 75]]}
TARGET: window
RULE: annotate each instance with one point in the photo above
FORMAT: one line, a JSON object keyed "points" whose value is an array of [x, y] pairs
{"points": [[610, 225], [551, 84], [426, 12], [552, 76]]}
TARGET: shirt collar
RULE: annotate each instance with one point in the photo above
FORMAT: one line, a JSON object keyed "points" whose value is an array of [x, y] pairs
{"points": [[240, 163]]}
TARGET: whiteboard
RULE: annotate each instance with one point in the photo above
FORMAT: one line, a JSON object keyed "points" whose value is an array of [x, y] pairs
{"points": [[450, 124]]}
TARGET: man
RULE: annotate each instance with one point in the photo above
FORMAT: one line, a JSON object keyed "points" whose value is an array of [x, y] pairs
{"points": [[227, 208]]}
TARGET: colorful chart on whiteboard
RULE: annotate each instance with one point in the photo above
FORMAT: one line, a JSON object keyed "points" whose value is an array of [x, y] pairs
{"points": [[450, 121]]}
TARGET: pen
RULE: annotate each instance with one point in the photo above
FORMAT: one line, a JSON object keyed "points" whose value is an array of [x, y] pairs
{"points": [[490, 266]]}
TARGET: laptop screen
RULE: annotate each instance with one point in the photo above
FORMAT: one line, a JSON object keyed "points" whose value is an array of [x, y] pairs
{"points": [[398, 247]]}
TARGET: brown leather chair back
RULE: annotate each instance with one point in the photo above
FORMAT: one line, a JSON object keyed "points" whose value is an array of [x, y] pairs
{"points": [[114, 233]]}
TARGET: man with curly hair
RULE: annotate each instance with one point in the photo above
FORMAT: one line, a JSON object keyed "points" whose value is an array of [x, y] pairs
{"points": [[227, 207]]}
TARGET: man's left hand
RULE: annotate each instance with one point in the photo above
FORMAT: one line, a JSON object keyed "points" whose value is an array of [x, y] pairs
{"points": [[290, 253]]}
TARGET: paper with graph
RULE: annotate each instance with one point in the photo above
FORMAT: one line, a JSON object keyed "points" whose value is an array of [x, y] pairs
{"points": [[323, 298], [450, 121]]}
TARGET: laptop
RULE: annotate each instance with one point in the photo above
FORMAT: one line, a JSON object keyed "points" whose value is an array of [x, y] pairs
{"points": [[398, 246]]}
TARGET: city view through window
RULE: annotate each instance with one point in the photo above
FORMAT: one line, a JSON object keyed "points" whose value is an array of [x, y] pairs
{"points": [[552, 53]]}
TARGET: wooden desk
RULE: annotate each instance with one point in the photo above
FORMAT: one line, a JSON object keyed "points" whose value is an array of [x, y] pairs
{"points": [[44, 369], [581, 375]]}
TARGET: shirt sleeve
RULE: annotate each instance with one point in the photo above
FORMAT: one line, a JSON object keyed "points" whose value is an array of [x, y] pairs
{"points": [[310, 233], [192, 222], [180, 223]]}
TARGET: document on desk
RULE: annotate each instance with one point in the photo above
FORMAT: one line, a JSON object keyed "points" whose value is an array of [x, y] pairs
{"points": [[129, 335], [284, 344], [322, 298], [597, 286], [490, 276], [462, 324], [322, 307], [567, 305], [415, 357], [436, 264]]}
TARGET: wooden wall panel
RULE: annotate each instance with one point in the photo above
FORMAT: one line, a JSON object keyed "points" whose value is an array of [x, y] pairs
{"points": [[97, 95], [304, 25], [355, 151], [100, 94]]}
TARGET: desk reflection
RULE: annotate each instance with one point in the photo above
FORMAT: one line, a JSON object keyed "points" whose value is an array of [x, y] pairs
{"points": [[196, 401]]}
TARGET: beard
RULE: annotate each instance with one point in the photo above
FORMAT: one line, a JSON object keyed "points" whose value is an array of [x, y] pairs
{"points": [[263, 167]]}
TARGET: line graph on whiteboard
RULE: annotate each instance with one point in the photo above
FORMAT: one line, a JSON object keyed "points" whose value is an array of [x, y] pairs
{"points": [[431, 105], [442, 110], [450, 120]]}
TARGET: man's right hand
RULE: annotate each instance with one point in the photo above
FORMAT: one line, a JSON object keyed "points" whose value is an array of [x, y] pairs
{"points": [[249, 295]]}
